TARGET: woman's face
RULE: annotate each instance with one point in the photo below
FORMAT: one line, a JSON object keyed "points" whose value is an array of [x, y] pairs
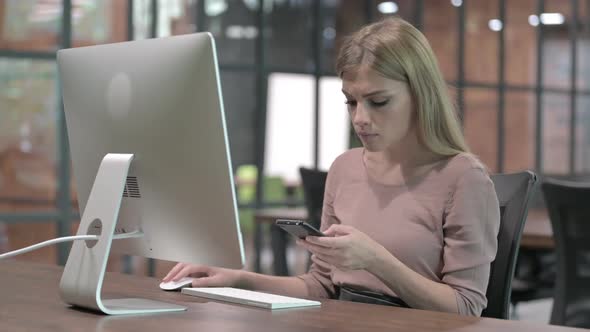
{"points": [[380, 109]]}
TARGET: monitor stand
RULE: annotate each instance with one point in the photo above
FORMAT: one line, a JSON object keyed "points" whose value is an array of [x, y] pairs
{"points": [[83, 275]]}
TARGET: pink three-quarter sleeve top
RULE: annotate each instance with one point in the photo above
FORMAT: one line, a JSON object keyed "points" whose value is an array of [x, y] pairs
{"points": [[443, 225]]}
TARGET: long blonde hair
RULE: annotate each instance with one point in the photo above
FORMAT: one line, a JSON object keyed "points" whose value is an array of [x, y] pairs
{"points": [[398, 51]]}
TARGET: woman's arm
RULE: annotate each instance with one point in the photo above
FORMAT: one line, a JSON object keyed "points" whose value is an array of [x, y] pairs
{"points": [[417, 291], [350, 249], [208, 276], [316, 283], [470, 231], [289, 286]]}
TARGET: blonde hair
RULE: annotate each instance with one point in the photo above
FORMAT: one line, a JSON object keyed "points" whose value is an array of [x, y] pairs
{"points": [[398, 51]]}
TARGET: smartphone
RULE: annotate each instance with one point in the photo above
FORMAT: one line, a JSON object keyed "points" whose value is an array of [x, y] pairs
{"points": [[298, 228]]}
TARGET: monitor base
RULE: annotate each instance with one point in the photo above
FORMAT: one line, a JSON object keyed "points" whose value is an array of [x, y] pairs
{"points": [[130, 306], [83, 275]]}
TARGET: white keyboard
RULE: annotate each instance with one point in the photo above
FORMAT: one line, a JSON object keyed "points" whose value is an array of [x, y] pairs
{"points": [[251, 298]]}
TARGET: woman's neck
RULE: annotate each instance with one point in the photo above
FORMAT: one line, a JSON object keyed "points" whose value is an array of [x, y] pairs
{"points": [[408, 153], [400, 163]]}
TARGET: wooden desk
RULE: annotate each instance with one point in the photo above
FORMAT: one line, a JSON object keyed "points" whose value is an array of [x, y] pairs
{"points": [[537, 232], [30, 302]]}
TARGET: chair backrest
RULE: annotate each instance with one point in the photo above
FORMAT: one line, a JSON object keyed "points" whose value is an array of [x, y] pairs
{"points": [[568, 204], [514, 193], [314, 184]]}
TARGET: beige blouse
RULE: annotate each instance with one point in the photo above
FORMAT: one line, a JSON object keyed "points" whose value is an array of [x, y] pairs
{"points": [[443, 225]]}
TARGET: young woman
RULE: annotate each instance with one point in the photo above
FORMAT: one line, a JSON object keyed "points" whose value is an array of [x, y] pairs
{"points": [[412, 215]]}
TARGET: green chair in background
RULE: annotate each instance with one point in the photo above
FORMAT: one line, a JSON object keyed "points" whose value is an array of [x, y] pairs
{"points": [[246, 176]]}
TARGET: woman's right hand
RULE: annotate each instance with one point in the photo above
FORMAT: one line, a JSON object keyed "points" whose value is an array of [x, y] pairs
{"points": [[204, 276]]}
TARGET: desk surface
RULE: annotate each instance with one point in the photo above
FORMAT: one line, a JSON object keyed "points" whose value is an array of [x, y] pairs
{"points": [[537, 232], [30, 302]]}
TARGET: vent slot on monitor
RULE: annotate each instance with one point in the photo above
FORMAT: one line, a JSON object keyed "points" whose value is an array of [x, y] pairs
{"points": [[131, 188]]}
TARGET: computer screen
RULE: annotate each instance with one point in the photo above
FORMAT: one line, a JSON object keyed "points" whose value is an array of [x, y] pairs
{"points": [[155, 108]]}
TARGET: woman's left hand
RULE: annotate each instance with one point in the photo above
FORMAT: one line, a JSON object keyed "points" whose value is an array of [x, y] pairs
{"points": [[344, 247]]}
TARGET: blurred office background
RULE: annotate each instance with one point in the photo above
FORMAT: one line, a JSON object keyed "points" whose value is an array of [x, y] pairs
{"points": [[518, 70]]}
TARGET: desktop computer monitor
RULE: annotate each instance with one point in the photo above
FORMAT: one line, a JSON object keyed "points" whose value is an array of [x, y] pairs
{"points": [[150, 159]]}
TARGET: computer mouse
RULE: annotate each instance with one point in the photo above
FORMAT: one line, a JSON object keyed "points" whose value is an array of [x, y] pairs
{"points": [[176, 285]]}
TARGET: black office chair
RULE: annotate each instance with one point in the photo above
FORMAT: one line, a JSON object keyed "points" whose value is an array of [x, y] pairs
{"points": [[568, 204], [314, 184], [536, 268], [534, 277], [514, 193]]}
